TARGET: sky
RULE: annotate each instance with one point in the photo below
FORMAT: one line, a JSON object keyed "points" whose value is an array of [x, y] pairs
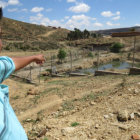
{"points": [[70, 14]]}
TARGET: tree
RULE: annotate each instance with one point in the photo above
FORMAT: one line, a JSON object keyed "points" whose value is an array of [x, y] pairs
{"points": [[61, 54], [77, 34], [94, 35], [132, 29], [116, 48], [86, 33]]}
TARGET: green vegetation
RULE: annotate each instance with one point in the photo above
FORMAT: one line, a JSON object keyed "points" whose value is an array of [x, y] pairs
{"points": [[95, 35], [137, 65], [15, 97], [116, 48], [90, 96], [45, 138], [116, 63], [129, 55], [77, 34], [68, 105], [74, 124], [61, 54], [90, 54], [123, 83], [35, 99]]}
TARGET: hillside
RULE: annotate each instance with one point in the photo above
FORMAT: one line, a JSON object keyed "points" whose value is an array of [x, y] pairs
{"points": [[110, 31], [21, 34]]}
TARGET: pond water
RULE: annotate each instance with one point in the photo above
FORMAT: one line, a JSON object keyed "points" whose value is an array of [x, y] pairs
{"points": [[114, 65]]}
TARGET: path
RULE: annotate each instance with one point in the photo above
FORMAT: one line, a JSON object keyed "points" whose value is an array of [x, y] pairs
{"points": [[52, 104]]}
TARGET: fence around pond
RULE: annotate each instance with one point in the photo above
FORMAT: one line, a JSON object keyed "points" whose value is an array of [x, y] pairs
{"points": [[32, 72]]}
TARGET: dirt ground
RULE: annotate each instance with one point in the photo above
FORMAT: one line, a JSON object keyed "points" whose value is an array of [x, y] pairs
{"points": [[78, 108]]}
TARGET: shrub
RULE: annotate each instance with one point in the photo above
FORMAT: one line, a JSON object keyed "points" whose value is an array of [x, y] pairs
{"points": [[90, 54], [74, 124], [61, 54], [129, 55], [116, 48], [7, 47]]}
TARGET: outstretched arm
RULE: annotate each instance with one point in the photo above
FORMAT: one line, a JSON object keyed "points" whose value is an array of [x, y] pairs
{"points": [[21, 62]]}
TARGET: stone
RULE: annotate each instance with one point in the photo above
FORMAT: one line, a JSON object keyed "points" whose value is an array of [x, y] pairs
{"points": [[92, 103], [60, 108], [42, 132], [48, 127], [106, 116], [67, 130], [136, 91], [32, 91], [122, 116], [111, 115], [45, 73], [57, 139], [121, 126], [97, 126], [28, 120], [132, 116], [137, 114], [135, 137], [65, 113]]}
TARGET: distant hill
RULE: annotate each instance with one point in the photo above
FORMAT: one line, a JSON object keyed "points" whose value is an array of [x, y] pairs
{"points": [[19, 35], [110, 31]]}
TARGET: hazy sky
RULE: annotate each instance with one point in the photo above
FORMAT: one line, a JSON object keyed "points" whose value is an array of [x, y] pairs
{"points": [[70, 14]]}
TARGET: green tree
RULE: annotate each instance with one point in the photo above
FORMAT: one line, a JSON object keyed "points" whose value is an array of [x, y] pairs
{"points": [[61, 54], [86, 33], [116, 48], [77, 34], [94, 35], [132, 29]]}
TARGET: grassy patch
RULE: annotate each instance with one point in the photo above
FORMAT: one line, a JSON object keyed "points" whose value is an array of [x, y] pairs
{"points": [[74, 124], [45, 139], [90, 96], [137, 65], [35, 99], [93, 96], [59, 82], [123, 83], [68, 105], [48, 90], [15, 97]]}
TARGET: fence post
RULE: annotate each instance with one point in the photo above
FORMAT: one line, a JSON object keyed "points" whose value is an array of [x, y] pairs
{"points": [[39, 73], [134, 51], [98, 59], [30, 72], [51, 65], [71, 60]]}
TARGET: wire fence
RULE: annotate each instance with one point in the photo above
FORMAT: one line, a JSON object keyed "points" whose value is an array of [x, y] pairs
{"points": [[33, 71], [53, 65]]}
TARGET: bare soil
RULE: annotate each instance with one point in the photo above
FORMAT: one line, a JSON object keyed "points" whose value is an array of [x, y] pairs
{"points": [[78, 108]]}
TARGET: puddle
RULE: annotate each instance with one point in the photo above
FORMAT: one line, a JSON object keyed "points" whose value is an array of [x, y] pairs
{"points": [[114, 65]]}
